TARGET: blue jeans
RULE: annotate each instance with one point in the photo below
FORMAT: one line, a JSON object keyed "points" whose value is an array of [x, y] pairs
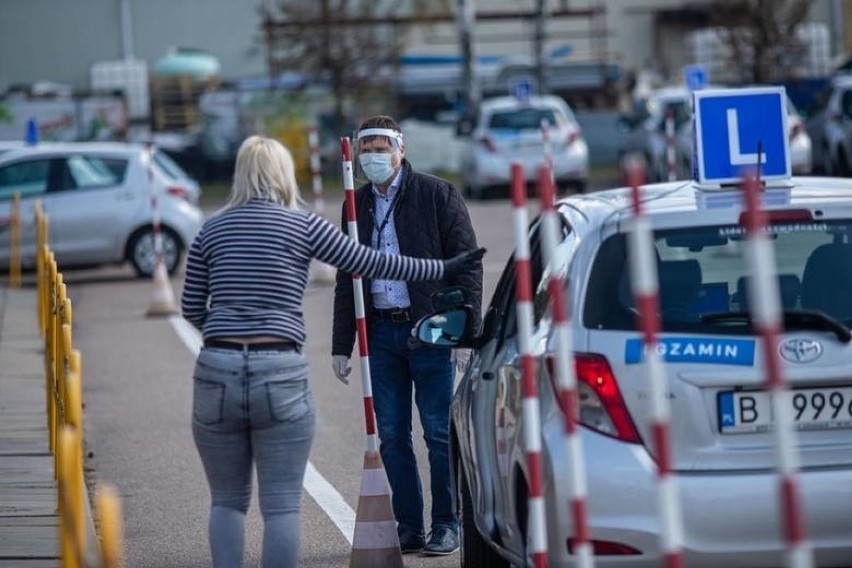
{"points": [[253, 407], [395, 369]]}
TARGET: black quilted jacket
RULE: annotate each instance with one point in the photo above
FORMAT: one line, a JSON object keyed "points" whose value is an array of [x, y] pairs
{"points": [[431, 221]]}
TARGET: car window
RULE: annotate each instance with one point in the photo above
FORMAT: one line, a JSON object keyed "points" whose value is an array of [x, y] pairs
{"points": [[502, 307], [90, 172], [168, 166], [524, 119], [27, 178], [703, 271]]}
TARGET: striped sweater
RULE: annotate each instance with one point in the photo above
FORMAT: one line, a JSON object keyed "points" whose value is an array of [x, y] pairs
{"points": [[247, 269]]}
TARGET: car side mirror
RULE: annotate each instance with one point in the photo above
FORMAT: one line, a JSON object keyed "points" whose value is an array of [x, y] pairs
{"points": [[449, 298], [450, 327]]}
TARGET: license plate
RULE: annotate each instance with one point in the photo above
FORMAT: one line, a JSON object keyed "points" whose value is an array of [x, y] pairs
{"points": [[822, 408]]}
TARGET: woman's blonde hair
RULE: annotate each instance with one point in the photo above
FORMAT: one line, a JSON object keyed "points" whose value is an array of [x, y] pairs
{"points": [[264, 170]]}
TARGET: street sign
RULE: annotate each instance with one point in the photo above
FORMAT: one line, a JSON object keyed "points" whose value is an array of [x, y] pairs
{"points": [[695, 76], [522, 87], [741, 128]]}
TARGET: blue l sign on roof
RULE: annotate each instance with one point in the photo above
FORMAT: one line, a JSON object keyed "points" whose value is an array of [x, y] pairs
{"points": [[741, 128], [695, 77]]}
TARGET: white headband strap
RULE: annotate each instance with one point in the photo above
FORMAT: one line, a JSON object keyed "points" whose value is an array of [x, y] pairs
{"points": [[380, 132]]}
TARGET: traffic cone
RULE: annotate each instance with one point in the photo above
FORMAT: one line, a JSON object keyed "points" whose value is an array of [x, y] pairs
{"points": [[323, 273], [163, 300], [375, 542]]}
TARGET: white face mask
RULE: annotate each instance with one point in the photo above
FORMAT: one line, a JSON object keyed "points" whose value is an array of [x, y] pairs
{"points": [[377, 167]]}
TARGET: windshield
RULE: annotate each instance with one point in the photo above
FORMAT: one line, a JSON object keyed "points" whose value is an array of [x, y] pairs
{"points": [[524, 119], [702, 271]]}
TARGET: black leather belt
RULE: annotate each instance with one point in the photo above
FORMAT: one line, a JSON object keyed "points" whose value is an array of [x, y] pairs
{"points": [[395, 315], [245, 347]]}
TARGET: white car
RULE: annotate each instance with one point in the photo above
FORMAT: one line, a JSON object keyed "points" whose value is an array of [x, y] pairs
{"points": [[97, 197], [509, 130], [830, 127], [723, 451]]}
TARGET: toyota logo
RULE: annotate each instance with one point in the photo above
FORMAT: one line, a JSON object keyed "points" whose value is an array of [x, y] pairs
{"points": [[800, 350]]}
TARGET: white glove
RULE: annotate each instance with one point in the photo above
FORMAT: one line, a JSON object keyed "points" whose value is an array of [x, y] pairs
{"points": [[340, 365], [461, 357]]}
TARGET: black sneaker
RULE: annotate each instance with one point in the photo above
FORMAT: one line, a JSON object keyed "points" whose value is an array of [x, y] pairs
{"points": [[442, 542], [410, 542]]}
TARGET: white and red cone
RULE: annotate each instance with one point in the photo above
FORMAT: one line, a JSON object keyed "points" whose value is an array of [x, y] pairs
{"points": [[163, 299], [375, 542]]}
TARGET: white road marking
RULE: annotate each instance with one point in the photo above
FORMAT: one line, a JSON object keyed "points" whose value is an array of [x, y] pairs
{"points": [[324, 493]]}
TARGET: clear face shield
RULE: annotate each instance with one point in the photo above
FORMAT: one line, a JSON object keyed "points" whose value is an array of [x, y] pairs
{"points": [[377, 151]]}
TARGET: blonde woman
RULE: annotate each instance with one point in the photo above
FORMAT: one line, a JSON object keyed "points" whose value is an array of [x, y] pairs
{"points": [[245, 279]]}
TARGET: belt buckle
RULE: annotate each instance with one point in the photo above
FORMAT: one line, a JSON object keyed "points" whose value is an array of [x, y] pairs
{"points": [[399, 316]]}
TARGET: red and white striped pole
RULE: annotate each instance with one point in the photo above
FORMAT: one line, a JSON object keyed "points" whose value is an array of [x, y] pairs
{"points": [[670, 144], [530, 404], [548, 147], [316, 170], [566, 378], [358, 288], [155, 209], [643, 270], [765, 308]]}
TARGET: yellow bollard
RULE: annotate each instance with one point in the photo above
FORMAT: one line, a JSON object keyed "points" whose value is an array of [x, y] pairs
{"points": [[74, 418], [108, 508], [49, 352], [71, 500], [15, 242]]}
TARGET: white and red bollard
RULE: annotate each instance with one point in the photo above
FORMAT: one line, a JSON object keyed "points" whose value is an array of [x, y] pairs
{"points": [[531, 415], [671, 163], [565, 375], [375, 541], [643, 270], [765, 307], [163, 299]]}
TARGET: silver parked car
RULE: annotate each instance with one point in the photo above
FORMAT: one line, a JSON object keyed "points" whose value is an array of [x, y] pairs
{"points": [[830, 126], [509, 130], [644, 129], [723, 453], [98, 202]]}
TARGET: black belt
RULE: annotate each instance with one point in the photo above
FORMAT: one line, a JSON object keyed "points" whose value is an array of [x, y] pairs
{"points": [[395, 315], [245, 347]]}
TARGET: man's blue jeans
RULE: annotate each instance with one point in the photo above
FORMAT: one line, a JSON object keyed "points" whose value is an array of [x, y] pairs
{"points": [[395, 368]]}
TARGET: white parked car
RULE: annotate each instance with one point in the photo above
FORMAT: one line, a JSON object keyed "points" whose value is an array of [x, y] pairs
{"points": [[97, 197], [723, 450], [509, 130]]}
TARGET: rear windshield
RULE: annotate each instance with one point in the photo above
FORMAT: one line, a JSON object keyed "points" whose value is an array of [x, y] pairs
{"points": [[702, 271], [523, 119], [169, 167]]}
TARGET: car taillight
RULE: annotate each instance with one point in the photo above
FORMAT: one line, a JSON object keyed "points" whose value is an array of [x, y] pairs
{"points": [[601, 406], [178, 191], [572, 137], [782, 216], [795, 130], [605, 548], [488, 144]]}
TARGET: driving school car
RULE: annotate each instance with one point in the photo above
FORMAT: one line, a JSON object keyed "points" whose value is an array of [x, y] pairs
{"points": [[723, 452]]}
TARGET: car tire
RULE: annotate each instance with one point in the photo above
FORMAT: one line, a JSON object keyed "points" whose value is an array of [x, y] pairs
{"points": [[140, 251], [475, 551]]}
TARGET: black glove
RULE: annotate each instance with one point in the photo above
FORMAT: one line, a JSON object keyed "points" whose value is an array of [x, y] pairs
{"points": [[461, 262]]}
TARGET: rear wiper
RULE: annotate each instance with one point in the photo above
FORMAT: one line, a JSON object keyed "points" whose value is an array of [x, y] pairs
{"points": [[799, 319]]}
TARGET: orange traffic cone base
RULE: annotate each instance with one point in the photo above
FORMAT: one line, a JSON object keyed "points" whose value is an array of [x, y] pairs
{"points": [[375, 543], [163, 299]]}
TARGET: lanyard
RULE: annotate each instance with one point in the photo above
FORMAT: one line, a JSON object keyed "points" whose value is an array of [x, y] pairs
{"points": [[381, 226]]}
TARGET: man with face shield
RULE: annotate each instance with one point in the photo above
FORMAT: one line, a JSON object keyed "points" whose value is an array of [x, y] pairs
{"points": [[401, 211]]}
